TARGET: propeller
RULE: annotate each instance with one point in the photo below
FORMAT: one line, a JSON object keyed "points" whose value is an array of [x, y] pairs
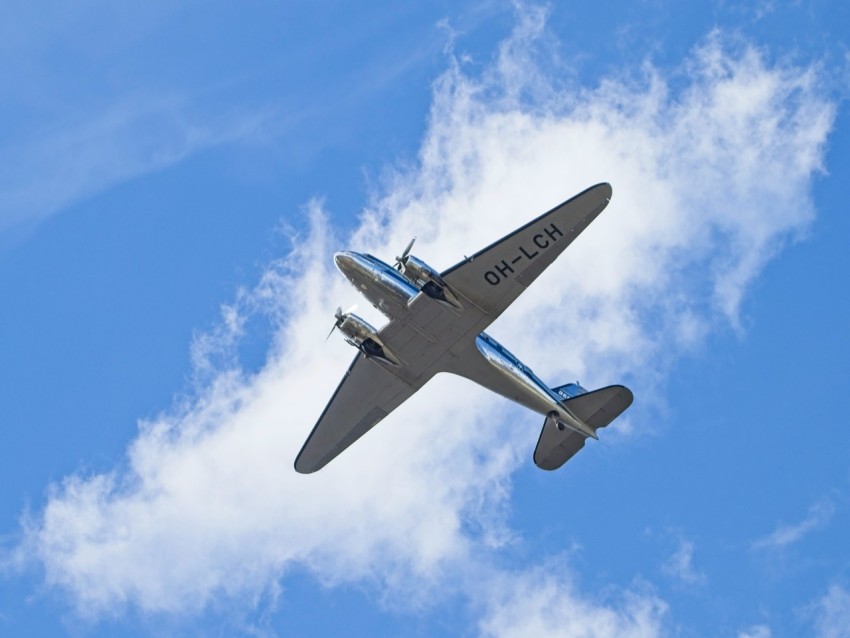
{"points": [[340, 316], [401, 261]]}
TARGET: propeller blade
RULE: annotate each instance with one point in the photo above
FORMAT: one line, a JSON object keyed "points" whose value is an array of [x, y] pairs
{"points": [[340, 316], [401, 261]]}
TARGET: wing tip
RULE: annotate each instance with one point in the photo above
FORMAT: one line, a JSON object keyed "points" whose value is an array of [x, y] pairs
{"points": [[603, 188], [302, 468], [606, 188]]}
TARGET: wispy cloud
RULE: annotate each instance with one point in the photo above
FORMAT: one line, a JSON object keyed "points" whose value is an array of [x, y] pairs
{"points": [[55, 168], [709, 181], [680, 565], [819, 515], [83, 122], [756, 631], [831, 614]]}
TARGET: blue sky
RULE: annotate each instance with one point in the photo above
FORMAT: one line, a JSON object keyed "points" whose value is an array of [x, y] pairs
{"points": [[174, 179]]}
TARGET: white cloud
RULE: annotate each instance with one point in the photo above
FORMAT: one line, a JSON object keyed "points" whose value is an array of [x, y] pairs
{"points": [[709, 181], [537, 604], [679, 565], [831, 613], [819, 515]]}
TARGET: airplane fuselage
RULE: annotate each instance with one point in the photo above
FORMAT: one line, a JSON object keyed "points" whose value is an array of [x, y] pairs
{"points": [[391, 293]]}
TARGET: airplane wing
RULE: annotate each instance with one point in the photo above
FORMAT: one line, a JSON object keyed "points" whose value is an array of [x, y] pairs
{"points": [[367, 393], [494, 277]]}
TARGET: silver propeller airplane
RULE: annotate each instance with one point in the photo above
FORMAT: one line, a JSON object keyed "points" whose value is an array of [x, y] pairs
{"points": [[437, 323]]}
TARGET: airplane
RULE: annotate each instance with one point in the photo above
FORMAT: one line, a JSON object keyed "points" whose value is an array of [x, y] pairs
{"points": [[436, 324]]}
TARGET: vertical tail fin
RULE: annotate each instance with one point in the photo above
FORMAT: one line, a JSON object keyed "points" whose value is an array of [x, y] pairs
{"points": [[569, 390]]}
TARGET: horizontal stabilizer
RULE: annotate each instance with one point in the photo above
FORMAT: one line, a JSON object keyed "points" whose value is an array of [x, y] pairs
{"points": [[555, 446], [597, 409], [600, 407]]}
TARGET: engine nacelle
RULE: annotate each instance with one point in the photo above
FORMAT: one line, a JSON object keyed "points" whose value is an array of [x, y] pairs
{"points": [[428, 281], [418, 272], [360, 334], [356, 329]]}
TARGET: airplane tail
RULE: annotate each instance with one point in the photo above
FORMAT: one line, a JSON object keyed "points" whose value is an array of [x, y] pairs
{"points": [[596, 409]]}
